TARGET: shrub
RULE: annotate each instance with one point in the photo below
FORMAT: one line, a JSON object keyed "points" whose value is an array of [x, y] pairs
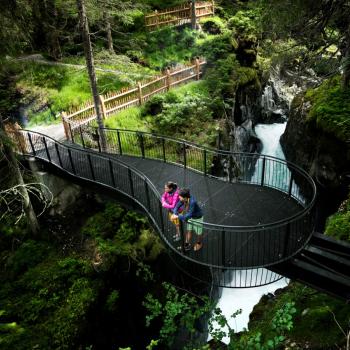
{"points": [[338, 224]]}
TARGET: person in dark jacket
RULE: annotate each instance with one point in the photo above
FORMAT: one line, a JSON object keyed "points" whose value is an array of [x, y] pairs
{"points": [[192, 214]]}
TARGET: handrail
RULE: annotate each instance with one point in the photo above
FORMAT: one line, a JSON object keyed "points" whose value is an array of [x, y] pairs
{"points": [[98, 168], [183, 142]]}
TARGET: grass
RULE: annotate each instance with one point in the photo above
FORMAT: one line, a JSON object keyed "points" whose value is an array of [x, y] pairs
{"points": [[127, 119]]}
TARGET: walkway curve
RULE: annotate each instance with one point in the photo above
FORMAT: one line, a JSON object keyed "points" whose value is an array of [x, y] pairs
{"points": [[230, 248]]}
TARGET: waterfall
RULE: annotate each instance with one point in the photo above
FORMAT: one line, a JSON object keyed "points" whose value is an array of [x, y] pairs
{"points": [[269, 135]]}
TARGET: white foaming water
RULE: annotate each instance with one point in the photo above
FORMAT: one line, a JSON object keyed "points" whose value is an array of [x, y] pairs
{"points": [[270, 135], [233, 299]]}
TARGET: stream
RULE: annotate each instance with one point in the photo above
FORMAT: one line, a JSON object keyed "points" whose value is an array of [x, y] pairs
{"points": [[233, 299]]}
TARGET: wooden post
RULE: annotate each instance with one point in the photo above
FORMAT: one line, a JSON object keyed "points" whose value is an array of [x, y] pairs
{"points": [[168, 77], [139, 86], [157, 19], [197, 68], [213, 11], [103, 107], [65, 124]]}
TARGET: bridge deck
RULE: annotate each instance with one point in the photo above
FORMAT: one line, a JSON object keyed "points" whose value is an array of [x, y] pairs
{"points": [[233, 204]]}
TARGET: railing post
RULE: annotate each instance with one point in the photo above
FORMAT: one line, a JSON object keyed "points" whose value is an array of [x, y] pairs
{"points": [[142, 145], [91, 167], [198, 72], [223, 245], [71, 161], [147, 195], [185, 160], [103, 107], [97, 137], [182, 233], [58, 155], [111, 172], [46, 149], [263, 172], [205, 161], [131, 183], [31, 143], [161, 216], [139, 86], [157, 19], [81, 136], [286, 241], [119, 143], [290, 184], [168, 78], [163, 147]]}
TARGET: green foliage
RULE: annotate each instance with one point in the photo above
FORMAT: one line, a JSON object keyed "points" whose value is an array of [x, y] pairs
{"points": [[185, 113], [168, 47], [246, 23], [29, 254], [120, 233], [104, 224], [176, 311], [216, 47], [330, 106], [213, 25], [338, 224], [312, 313], [49, 300], [127, 119], [281, 323]]}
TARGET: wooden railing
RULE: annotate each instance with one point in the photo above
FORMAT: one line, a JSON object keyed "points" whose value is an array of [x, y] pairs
{"points": [[178, 15], [111, 103]]}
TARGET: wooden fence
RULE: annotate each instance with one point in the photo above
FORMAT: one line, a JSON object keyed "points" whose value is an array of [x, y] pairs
{"points": [[113, 102], [178, 15]]}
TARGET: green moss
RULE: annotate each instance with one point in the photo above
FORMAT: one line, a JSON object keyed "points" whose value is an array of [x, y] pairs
{"points": [[314, 314], [331, 108], [338, 224]]}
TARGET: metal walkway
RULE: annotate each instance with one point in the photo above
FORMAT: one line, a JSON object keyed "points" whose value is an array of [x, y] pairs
{"points": [[259, 215]]}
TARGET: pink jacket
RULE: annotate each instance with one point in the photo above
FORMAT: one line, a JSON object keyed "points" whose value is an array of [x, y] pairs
{"points": [[169, 200]]}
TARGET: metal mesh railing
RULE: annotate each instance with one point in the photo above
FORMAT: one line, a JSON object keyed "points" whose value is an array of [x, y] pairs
{"points": [[227, 248]]}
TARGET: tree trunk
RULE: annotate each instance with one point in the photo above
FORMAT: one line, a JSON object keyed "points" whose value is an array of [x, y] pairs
{"points": [[346, 65], [84, 27], [193, 15], [109, 34], [18, 179]]}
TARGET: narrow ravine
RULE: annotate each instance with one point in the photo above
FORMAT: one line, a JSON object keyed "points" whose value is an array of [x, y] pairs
{"points": [[233, 299]]}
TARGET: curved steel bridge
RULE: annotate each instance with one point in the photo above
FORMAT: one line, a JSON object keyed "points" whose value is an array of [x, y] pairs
{"points": [[258, 213]]}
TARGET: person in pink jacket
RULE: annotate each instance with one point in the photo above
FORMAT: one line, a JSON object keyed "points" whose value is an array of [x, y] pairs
{"points": [[170, 198]]}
